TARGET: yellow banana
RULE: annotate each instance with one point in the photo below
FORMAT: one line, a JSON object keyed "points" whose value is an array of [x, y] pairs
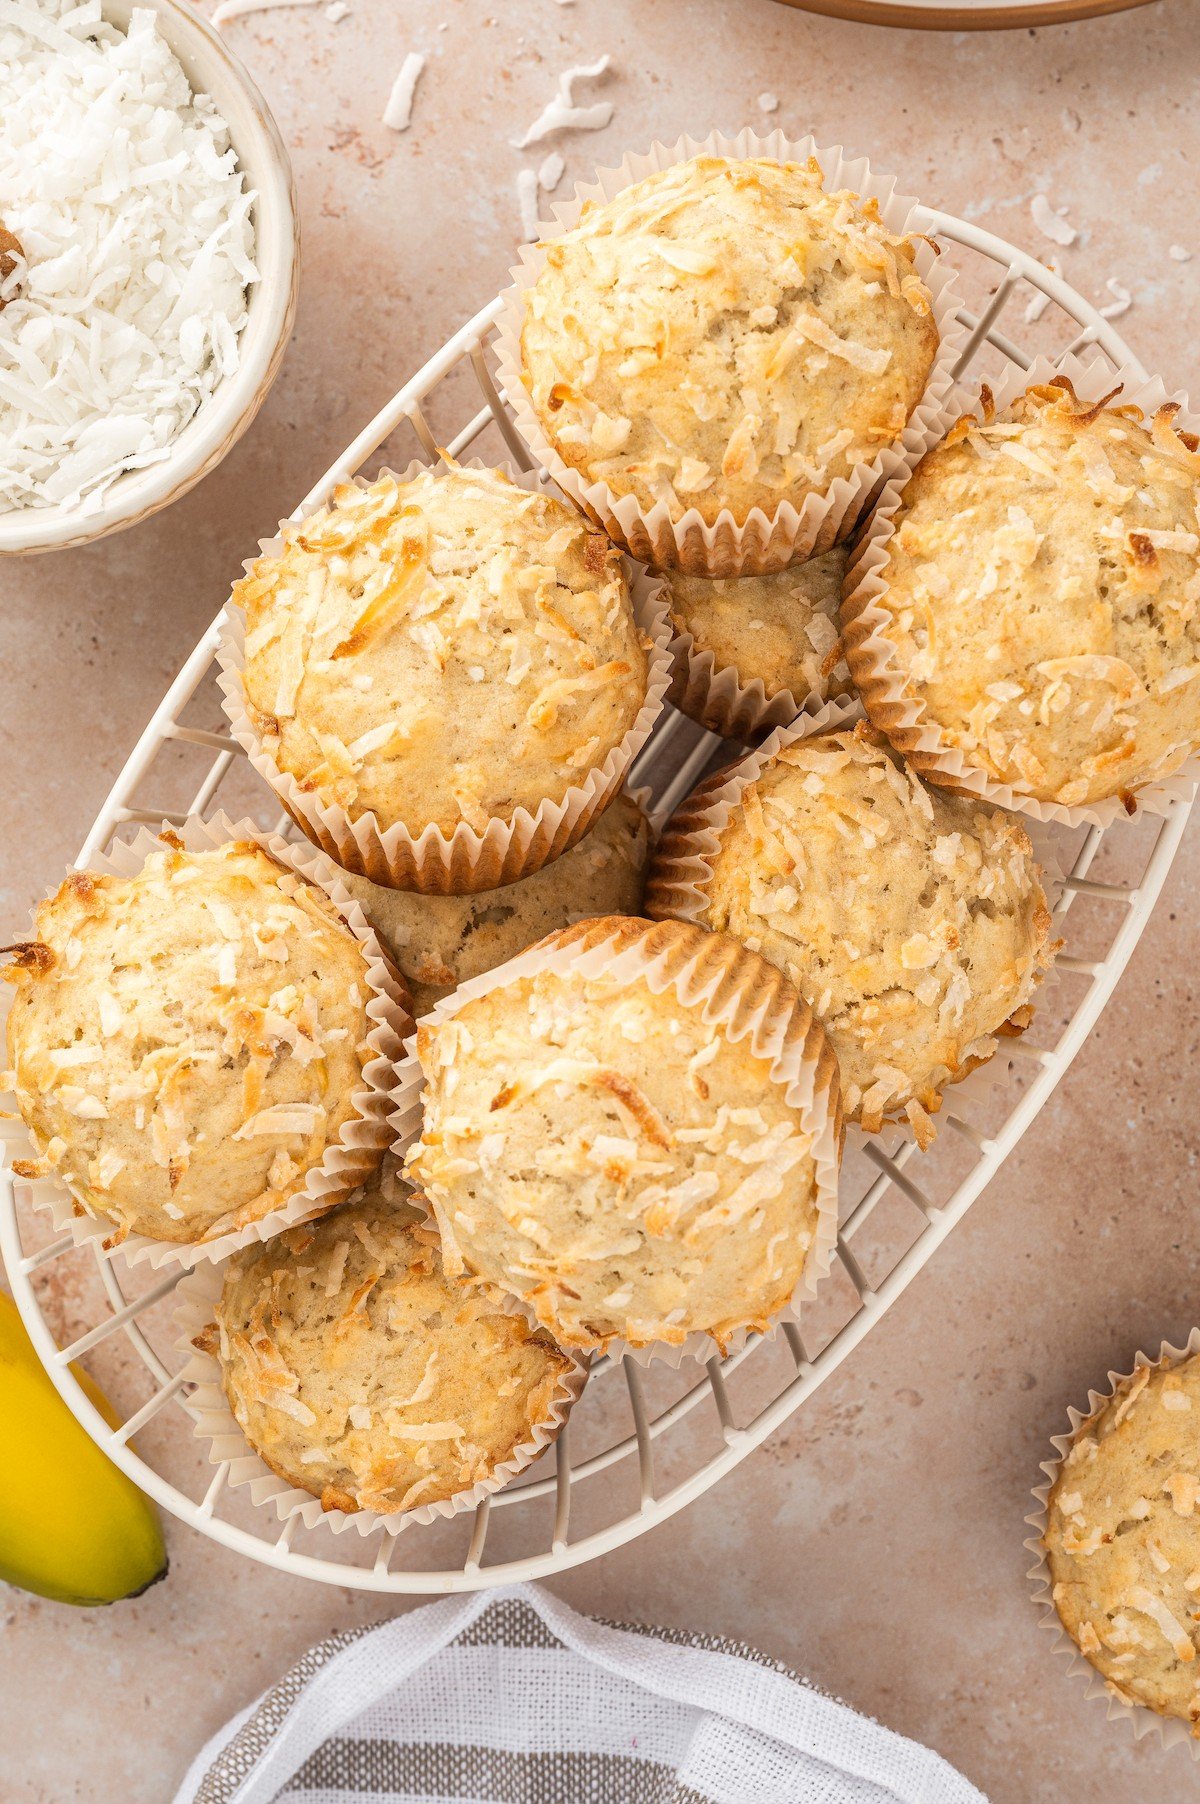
{"points": [[72, 1526]]}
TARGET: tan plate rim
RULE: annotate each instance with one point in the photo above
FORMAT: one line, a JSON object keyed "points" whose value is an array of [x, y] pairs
{"points": [[1004, 17]]}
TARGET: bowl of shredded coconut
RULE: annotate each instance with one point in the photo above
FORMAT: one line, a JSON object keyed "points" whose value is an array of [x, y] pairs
{"points": [[148, 262]]}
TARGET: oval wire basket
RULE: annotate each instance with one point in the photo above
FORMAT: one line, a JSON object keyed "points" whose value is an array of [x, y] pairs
{"points": [[642, 1442]]}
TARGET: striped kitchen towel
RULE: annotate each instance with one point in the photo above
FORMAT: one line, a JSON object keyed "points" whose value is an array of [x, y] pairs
{"points": [[509, 1697]]}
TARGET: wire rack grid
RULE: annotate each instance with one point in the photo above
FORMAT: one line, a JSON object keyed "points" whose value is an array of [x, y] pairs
{"points": [[642, 1442]]}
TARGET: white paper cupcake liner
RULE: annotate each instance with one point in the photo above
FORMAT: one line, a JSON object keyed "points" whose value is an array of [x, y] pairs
{"points": [[1172, 1730], [363, 1138], [681, 865], [465, 861], [196, 1297], [761, 542], [802, 1064], [872, 658]]}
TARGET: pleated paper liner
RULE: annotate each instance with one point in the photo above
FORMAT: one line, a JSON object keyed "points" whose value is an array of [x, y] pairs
{"points": [[761, 542], [363, 1138], [876, 669], [465, 861], [196, 1298], [729, 986], [1141, 1720], [681, 866]]}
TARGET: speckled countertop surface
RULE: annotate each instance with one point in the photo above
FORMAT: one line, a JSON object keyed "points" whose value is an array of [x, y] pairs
{"points": [[876, 1542]]}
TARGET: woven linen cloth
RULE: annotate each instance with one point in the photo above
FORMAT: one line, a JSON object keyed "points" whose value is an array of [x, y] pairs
{"points": [[512, 1698]]}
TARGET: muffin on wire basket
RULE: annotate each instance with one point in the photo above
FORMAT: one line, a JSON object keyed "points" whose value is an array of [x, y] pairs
{"points": [[1021, 619], [753, 652], [201, 1042], [444, 676], [631, 1133], [914, 923], [439, 942], [725, 346], [349, 1382]]}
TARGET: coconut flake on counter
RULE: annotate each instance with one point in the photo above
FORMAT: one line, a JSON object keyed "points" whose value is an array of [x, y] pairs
{"points": [[1121, 302], [1051, 224], [562, 114], [551, 172], [398, 111], [1041, 300], [336, 11], [239, 9], [135, 221], [1179, 253]]}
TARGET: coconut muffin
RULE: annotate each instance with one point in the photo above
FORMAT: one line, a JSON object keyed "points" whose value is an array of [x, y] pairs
{"points": [[611, 1158], [780, 630], [1041, 600], [357, 1372], [439, 651], [441, 941], [726, 334], [913, 923], [1122, 1540], [186, 1042]]}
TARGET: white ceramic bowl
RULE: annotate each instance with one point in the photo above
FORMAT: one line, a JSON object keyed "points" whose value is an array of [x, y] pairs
{"points": [[211, 69]]}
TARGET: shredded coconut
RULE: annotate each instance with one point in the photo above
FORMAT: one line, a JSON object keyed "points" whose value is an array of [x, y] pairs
{"points": [[398, 111], [550, 173], [1051, 224], [562, 113], [1179, 253], [1121, 302], [768, 103], [126, 197], [238, 9]]}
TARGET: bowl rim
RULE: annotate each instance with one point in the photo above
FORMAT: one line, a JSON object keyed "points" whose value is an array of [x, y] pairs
{"points": [[221, 420]]}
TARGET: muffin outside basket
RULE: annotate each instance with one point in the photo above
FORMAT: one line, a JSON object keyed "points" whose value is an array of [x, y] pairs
{"points": [[1141, 1720]]}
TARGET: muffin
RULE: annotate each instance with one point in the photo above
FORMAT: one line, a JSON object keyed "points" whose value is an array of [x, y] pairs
{"points": [[779, 630], [726, 334], [610, 1154], [913, 923], [186, 1043], [1041, 601], [441, 941], [357, 1372], [441, 651], [1122, 1540]]}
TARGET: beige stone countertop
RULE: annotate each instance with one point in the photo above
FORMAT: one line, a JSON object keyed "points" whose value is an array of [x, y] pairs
{"points": [[875, 1543]]}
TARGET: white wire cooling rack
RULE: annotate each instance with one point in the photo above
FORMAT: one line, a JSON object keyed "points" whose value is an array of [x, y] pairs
{"points": [[642, 1442]]}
